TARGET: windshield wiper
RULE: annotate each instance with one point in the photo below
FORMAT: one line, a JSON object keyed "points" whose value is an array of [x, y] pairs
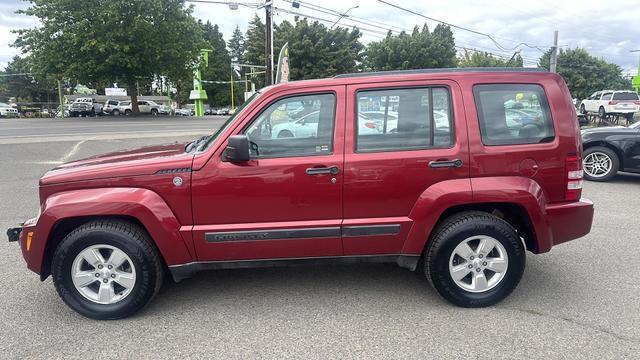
{"points": [[192, 146]]}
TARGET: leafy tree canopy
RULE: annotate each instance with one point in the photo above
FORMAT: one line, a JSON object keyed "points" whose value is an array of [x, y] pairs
{"points": [[420, 49], [485, 59], [111, 40]]}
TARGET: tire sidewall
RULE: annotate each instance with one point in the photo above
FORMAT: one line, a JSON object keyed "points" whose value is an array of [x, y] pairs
{"points": [[446, 286], [63, 261]]}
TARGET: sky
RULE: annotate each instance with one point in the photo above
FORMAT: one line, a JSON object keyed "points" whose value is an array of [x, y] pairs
{"points": [[604, 28]]}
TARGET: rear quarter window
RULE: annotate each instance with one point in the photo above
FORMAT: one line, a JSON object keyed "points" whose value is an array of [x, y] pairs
{"points": [[513, 114]]}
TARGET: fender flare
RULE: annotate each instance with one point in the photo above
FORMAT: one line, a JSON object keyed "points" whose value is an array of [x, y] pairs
{"points": [[440, 197], [144, 205]]}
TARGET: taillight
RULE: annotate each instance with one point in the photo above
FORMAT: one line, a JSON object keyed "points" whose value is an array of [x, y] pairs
{"points": [[370, 125], [573, 165], [637, 102], [613, 102]]}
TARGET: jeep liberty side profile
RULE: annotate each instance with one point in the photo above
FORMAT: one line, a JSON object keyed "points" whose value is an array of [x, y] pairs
{"points": [[452, 173]]}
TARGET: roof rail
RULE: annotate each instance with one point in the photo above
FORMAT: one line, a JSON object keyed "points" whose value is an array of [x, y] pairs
{"points": [[440, 70]]}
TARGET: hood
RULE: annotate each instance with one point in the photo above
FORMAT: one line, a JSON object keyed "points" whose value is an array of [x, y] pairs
{"points": [[143, 161], [607, 129]]}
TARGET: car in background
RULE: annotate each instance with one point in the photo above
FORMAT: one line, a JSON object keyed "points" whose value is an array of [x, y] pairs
{"points": [[144, 107], [223, 111], [608, 150], [307, 126], [112, 107], [612, 102], [85, 107], [184, 112], [7, 110]]}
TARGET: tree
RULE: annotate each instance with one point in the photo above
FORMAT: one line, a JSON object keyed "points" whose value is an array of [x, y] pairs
{"points": [[316, 51], [421, 49], [586, 74], [254, 47], [474, 58], [236, 46], [112, 41], [25, 88]]}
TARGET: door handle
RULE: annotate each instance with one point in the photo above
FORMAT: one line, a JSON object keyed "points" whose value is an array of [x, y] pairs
{"points": [[333, 170], [455, 163]]}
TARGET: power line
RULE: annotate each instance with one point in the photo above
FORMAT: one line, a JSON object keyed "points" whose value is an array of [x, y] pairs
{"points": [[496, 43]]}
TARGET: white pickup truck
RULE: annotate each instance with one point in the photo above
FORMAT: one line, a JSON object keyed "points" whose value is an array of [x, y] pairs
{"points": [[612, 102]]}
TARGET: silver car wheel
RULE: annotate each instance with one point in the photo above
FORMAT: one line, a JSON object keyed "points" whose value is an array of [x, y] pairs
{"points": [[478, 263], [103, 274], [597, 164]]}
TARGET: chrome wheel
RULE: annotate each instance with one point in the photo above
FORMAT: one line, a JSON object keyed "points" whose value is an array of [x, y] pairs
{"points": [[103, 274], [478, 263], [597, 164]]}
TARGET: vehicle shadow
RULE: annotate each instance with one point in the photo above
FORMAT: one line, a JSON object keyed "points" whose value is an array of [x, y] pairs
{"points": [[626, 178]]}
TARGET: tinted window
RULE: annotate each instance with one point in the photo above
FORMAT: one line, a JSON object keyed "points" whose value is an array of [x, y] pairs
{"points": [[294, 126], [403, 119], [625, 96], [513, 114], [606, 96]]}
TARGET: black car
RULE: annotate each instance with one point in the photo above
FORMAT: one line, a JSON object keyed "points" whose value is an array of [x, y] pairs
{"points": [[608, 150]]}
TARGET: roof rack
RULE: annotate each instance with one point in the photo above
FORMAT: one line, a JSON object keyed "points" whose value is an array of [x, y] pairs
{"points": [[440, 70]]}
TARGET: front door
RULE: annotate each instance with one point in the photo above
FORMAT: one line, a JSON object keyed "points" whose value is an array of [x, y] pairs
{"points": [[287, 200], [402, 138]]}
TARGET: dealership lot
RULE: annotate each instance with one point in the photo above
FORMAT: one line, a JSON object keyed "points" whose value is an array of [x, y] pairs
{"points": [[579, 301]]}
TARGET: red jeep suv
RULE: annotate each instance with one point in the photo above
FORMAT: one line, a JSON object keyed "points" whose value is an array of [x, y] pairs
{"points": [[453, 173]]}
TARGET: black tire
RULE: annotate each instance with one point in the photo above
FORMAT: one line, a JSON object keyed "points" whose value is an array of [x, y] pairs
{"points": [[601, 113], [115, 112], [128, 237], [154, 112], [582, 109], [615, 163], [127, 112], [285, 134], [452, 232], [629, 118]]}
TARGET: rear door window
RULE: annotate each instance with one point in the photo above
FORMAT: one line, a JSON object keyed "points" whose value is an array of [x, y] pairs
{"points": [[512, 114], [403, 119]]}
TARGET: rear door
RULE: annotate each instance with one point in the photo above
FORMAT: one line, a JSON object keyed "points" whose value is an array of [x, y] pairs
{"points": [[420, 140]]}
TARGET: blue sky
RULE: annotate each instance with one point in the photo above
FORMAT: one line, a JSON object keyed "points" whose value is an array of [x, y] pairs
{"points": [[605, 29]]}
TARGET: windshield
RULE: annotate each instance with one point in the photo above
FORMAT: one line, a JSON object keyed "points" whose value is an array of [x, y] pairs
{"points": [[209, 140]]}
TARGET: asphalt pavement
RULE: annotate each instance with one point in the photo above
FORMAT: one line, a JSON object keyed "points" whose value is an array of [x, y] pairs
{"points": [[580, 301]]}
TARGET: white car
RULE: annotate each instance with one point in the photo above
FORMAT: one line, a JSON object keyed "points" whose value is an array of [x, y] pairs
{"points": [[307, 126], [7, 111], [611, 102], [441, 119], [144, 106]]}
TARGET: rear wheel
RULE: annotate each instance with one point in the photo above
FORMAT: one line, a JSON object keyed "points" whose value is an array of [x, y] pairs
{"points": [[115, 112], [154, 112], [107, 269], [127, 112], [602, 113], [285, 134], [629, 117], [582, 109], [600, 164], [474, 259]]}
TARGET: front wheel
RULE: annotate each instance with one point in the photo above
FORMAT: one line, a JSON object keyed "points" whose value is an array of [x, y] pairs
{"points": [[602, 113], [115, 112], [474, 259], [127, 112], [154, 112], [107, 269]]}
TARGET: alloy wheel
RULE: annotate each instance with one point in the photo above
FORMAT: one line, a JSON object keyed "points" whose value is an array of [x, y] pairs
{"points": [[597, 164], [103, 274], [478, 263]]}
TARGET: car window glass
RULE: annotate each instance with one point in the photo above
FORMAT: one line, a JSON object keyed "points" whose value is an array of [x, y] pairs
{"points": [[513, 114], [606, 96], [403, 119], [294, 126], [625, 96]]}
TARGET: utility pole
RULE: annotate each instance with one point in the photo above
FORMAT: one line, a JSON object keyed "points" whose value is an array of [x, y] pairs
{"points": [[553, 63], [268, 50]]}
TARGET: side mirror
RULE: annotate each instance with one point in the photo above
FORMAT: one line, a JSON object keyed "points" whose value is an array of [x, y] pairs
{"points": [[238, 149]]}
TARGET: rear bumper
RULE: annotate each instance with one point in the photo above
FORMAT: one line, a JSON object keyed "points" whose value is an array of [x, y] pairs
{"points": [[570, 221]]}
